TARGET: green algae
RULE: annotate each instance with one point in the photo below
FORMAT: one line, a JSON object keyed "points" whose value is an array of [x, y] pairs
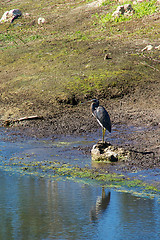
{"points": [[55, 169]]}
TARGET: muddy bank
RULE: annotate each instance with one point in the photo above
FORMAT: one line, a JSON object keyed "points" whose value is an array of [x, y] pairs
{"points": [[50, 74], [135, 128]]}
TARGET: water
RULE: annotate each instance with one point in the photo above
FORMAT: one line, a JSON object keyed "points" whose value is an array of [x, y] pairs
{"points": [[32, 207], [36, 208], [64, 149]]}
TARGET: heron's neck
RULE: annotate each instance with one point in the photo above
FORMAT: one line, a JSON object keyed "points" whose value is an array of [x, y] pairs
{"points": [[94, 106]]}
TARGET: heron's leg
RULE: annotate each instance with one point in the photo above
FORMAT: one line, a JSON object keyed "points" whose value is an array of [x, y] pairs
{"points": [[103, 193], [103, 131]]}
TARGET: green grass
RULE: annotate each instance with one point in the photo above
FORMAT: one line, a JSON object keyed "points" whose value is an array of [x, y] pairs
{"points": [[93, 84], [65, 56], [145, 8], [141, 9]]}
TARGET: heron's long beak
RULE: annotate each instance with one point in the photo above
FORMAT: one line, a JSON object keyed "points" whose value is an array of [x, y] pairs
{"points": [[87, 101], [92, 100]]}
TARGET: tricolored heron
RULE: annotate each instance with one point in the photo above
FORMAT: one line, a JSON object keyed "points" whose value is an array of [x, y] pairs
{"points": [[102, 116]]}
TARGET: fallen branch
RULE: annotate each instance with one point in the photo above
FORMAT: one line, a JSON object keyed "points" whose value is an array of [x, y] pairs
{"points": [[149, 58], [9, 122], [144, 63], [29, 118]]}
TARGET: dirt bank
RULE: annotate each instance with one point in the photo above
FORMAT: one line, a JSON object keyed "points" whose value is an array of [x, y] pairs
{"points": [[49, 70], [131, 111]]}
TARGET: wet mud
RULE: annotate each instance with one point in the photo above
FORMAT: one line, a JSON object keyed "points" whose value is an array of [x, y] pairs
{"points": [[133, 104], [68, 158], [134, 128]]}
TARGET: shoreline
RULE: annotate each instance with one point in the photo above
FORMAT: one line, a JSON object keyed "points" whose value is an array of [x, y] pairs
{"points": [[134, 128]]}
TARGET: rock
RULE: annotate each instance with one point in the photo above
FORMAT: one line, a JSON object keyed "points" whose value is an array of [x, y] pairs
{"points": [[106, 56], [147, 48], [128, 7], [157, 47], [41, 20], [125, 9], [107, 153], [10, 16], [119, 11]]}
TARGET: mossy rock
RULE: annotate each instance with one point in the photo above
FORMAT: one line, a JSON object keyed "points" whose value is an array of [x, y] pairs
{"points": [[106, 152]]}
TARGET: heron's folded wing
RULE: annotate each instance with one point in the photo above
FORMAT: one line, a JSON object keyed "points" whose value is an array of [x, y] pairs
{"points": [[103, 118]]}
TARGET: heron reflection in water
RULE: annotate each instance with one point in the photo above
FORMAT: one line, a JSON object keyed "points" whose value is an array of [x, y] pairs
{"points": [[101, 205], [102, 116]]}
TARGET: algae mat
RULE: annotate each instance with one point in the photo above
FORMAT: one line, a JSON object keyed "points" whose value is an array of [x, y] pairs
{"points": [[62, 159]]}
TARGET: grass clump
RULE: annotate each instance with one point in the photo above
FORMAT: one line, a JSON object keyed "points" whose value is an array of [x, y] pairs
{"points": [[141, 9], [95, 84], [145, 8]]}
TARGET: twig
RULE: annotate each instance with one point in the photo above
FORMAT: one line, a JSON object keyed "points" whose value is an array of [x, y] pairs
{"points": [[150, 58], [29, 118], [144, 63], [9, 122]]}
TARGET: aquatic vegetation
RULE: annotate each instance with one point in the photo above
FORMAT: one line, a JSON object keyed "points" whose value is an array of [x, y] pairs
{"points": [[57, 169]]}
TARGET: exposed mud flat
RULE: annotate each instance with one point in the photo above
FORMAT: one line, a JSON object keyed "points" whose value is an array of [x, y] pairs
{"points": [[134, 128]]}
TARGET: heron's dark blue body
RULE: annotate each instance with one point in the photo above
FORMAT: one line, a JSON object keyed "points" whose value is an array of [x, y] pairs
{"points": [[101, 115]]}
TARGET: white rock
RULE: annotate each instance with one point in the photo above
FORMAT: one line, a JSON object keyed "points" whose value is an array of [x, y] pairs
{"points": [[119, 11], [125, 9], [9, 16], [128, 7], [147, 48], [157, 47], [41, 20], [26, 14]]}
